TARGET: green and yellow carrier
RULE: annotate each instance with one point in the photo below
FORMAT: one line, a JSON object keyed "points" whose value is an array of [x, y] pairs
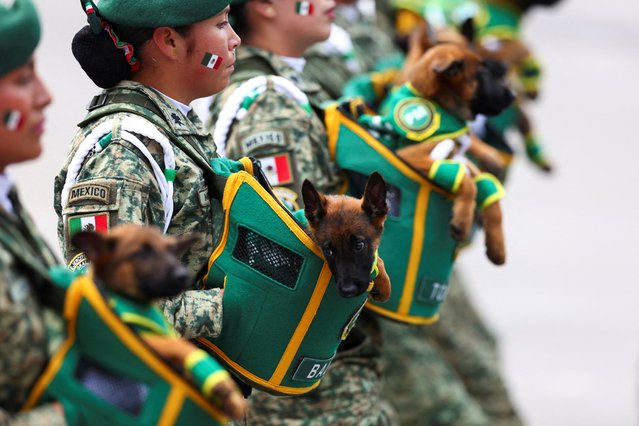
{"points": [[283, 317], [417, 247], [104, 374]]}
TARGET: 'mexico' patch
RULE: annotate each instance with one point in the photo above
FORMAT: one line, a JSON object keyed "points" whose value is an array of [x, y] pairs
{"points": [[267, 138], [89, 191]]}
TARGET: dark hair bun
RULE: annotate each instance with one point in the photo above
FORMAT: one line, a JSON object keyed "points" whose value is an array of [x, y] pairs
{"points": [[104, 63]]}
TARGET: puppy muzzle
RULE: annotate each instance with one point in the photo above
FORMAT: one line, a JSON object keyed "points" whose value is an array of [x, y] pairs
{"points": [[492, 95]]}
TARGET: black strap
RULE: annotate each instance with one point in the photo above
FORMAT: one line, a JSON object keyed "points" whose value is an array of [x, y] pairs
{"points": [[106, 98]]}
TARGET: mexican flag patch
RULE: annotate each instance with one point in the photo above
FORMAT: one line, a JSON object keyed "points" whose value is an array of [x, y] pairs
{"points": [[98, 223], [13, 120], [277, 169], [304, 8], [211, 61]]}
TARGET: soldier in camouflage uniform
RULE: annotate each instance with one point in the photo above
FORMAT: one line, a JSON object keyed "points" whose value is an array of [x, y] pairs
{"points": [[290, 139], [129, 175], [25, 286]]}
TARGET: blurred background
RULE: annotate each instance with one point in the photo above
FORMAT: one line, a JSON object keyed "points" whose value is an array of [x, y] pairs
{"points": [[566, 304]]}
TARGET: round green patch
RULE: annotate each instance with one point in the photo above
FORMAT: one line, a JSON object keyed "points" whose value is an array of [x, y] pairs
{"points": [[414, 115]]}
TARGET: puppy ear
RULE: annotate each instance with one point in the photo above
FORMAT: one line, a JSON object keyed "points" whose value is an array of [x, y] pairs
{"points": [[447, 66], [467, 29], [374, 202], [314, 203], [183, 242], [93, 244]]}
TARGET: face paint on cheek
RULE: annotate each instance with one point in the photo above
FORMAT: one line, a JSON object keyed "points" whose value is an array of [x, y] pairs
{"points": [[13, 120], [211, 61], [304, 8]]}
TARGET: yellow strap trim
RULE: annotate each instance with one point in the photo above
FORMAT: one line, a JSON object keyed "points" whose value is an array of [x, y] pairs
{"points": [[333, 119], [265, 384], [501, 192], [409, 319], [303, 326], [248, 165], [233, 185], [172, 407], [84, 288], [71, 305], [193, 358], [451, 135], [417, 245], [213, 380], [135, 319]]}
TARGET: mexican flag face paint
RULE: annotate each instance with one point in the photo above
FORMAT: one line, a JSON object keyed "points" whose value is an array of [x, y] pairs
{"points": [[304, 8], [211, 61], [13, 120]]}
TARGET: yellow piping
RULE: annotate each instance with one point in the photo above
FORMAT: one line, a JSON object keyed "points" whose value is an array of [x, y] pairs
{"points": [[303, 326]]}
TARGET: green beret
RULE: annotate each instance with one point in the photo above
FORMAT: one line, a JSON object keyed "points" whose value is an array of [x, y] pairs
{"points": [[158, 13], [19, 33]]}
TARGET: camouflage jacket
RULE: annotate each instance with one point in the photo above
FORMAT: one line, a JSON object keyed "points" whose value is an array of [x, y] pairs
{"points": [[117, 185], [289, 140], [24, 262], [372, 39]]}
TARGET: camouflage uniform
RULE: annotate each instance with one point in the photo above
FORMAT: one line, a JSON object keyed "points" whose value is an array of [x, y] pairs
{"points": [[350, 392], [275, 125], [446, 373], [118, 183], [24, 261]]}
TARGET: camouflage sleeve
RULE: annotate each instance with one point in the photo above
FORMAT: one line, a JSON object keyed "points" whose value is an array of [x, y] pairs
{"points": [[290, 142], [48, 414], [105, 196], [195, 313]]}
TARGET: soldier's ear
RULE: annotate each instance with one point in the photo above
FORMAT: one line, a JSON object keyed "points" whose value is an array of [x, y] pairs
{"points": [[95, 245]]}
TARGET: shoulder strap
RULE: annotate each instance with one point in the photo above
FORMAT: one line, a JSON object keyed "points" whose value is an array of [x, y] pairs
{"points": [[108, 103]]}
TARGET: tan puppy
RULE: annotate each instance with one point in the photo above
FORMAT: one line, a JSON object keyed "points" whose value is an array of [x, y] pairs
{"points": [[348, 231], [140, 263], [456, 78]]}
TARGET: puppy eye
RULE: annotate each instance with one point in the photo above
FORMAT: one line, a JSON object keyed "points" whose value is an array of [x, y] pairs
{"points": [[359, 245], [145, 250], [328, 251]]}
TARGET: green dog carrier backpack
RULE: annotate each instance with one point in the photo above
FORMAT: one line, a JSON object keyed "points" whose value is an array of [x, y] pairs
{"points": [[283, 317], [417, 248], [104, 374]]}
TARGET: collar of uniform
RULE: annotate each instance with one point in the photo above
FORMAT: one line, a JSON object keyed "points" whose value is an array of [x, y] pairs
{"points": [[179, 123], [280, 67], [5, 187]]}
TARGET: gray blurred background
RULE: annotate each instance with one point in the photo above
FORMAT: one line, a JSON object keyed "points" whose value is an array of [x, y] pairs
{"points": [[565, 306]]}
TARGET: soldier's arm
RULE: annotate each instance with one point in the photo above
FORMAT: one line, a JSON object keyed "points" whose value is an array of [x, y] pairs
{"points": [[195, 313], [50, 414], [290, 142]]}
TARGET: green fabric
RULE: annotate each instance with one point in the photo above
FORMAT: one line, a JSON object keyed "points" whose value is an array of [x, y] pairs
{"points": [[442, 123], [19, 33], [489, 190], [262, 309], [447, 174], [97, 342], [158, 13], [358, 156], [203, 369], [499, 20]]}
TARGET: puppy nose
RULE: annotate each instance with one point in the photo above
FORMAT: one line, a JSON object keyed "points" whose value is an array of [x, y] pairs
{"points": [[181, 274]]}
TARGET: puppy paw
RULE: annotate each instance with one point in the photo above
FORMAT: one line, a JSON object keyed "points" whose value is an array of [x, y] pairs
{"points": [[230, 399], [497, 255], [460, 229]]}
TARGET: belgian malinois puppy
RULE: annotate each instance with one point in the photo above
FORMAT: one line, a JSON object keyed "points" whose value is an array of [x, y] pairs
{"points": [[348, 231], [458, 79], [140, 263]]}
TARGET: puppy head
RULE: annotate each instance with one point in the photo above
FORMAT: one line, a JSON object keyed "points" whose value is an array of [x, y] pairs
{"points": [[460, 81], [137, 262], [348, 231]]}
